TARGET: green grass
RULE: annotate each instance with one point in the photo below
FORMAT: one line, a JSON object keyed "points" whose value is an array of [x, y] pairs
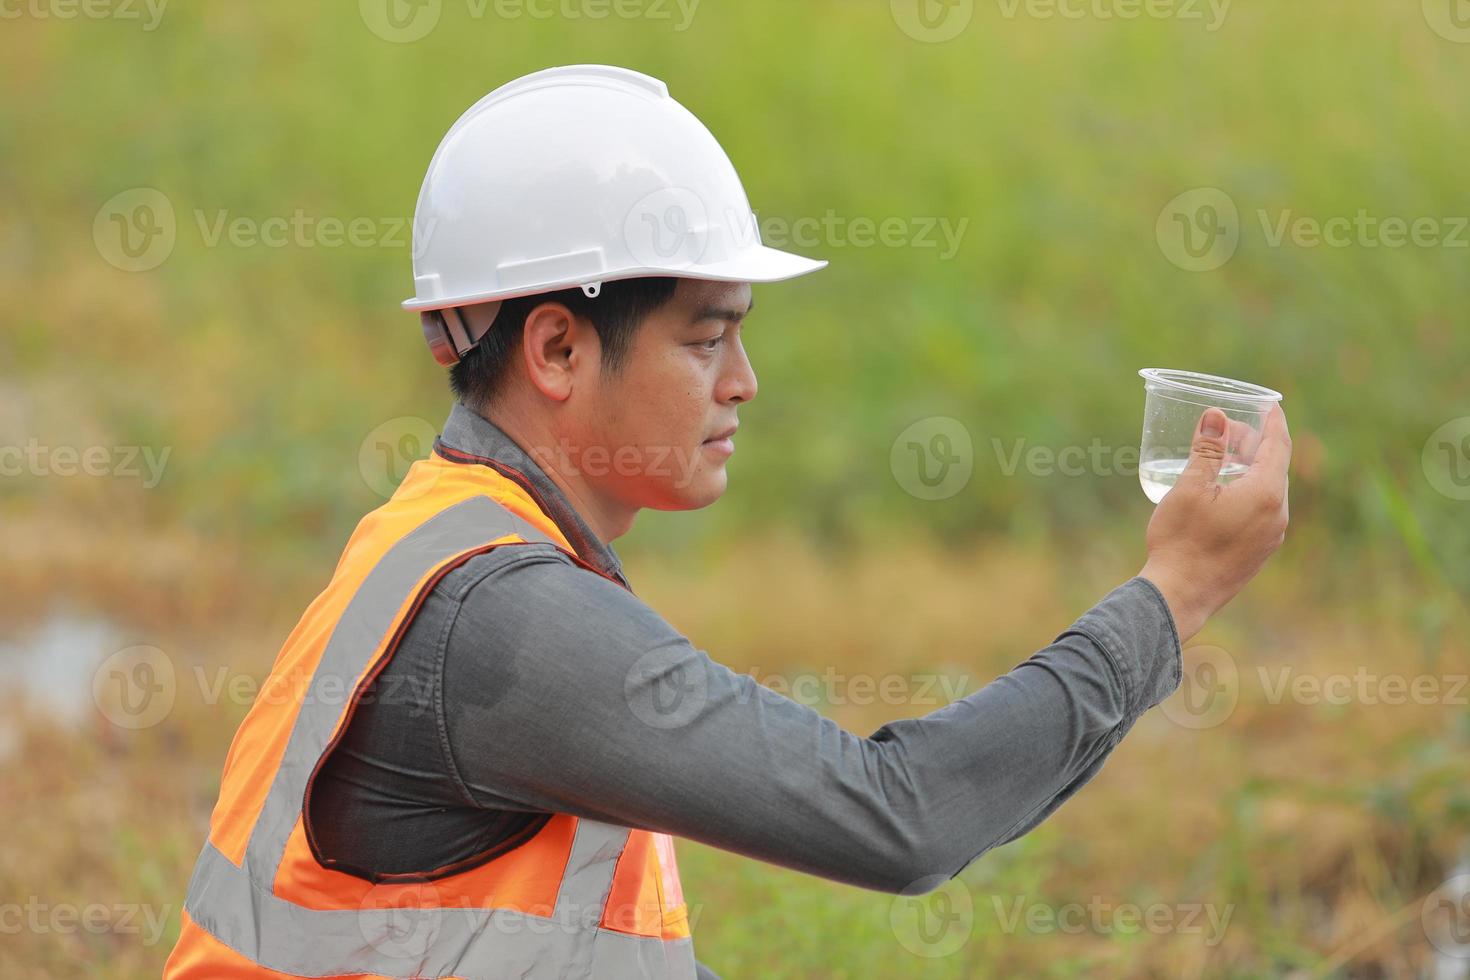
{"points": [[1058, 141]]}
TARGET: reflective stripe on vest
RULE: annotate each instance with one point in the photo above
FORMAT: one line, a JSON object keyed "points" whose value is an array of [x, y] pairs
{"points": [[446, 935]]}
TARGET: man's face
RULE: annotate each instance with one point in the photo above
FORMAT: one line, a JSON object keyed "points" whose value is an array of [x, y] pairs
{"points": [[682, 380]]}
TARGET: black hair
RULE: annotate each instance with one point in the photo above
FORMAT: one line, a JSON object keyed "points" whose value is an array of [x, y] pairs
{"points": [[616, 314]]}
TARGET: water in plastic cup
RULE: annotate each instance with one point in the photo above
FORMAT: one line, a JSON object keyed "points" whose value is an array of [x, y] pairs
{"points": [[1174, 402]]}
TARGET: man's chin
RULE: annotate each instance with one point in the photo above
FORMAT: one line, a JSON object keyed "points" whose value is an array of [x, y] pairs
{"points": [[708, 487]]}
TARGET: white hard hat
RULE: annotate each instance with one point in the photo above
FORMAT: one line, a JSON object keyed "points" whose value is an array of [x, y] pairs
{"points": [[579, 176]]}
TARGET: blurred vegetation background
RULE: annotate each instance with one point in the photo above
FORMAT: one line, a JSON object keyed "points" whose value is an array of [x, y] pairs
{"points": [[1053, 145]]}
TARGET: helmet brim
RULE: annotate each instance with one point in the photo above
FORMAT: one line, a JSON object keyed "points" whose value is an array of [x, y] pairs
{"points": [[758, 264]]}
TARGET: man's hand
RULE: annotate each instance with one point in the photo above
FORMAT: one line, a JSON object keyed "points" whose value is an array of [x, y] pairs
{"points": [[1206, 541]]}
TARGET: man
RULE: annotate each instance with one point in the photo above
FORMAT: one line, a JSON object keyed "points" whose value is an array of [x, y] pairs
{"points": [[490, 738]]}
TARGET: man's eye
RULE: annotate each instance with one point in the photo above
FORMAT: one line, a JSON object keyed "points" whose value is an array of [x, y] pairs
{"points": [[711, 344]]}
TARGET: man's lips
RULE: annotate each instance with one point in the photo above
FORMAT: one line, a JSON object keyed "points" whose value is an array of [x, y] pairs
{"points": [[721, 442], [723, 434]]}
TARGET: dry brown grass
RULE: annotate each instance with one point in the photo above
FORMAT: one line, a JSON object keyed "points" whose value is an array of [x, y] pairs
{"points": [[1321, 826]]}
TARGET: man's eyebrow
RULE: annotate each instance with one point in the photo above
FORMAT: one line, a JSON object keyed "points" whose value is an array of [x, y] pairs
{"points": [[723, 313]]}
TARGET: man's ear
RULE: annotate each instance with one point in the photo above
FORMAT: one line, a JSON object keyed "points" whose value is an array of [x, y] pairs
{"points": [[556, 345]]}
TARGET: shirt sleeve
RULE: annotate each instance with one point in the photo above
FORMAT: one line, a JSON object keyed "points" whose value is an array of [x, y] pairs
{"points": [[563, 692]]}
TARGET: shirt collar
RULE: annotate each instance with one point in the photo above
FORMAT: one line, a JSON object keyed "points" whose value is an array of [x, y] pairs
{"points": [[471, 433]]}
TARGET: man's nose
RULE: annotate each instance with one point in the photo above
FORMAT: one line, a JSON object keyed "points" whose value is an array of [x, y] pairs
{"points": [[739, 383]]}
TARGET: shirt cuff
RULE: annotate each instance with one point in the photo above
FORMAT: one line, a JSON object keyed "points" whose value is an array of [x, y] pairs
{"points": [[1135, 629]]}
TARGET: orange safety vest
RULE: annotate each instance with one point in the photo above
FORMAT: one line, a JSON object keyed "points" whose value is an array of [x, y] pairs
{"points": [[578, 898]]}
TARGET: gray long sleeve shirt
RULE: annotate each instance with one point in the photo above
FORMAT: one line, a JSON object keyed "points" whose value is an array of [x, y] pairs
{"points": [[528, 685]]}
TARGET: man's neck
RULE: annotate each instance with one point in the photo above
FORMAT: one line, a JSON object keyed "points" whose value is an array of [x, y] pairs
{"points": [[608, 520]]}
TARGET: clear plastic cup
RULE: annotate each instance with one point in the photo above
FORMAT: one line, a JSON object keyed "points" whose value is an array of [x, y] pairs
{"points": [[1174, 402]]}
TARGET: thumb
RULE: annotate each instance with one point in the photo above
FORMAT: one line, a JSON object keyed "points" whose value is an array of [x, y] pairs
{"points": [[1208, 452]]}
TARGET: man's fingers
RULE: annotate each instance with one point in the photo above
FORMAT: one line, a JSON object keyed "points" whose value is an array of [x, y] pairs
{"points": [[1243, 440], [1207, 454], [1274, 454]]}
